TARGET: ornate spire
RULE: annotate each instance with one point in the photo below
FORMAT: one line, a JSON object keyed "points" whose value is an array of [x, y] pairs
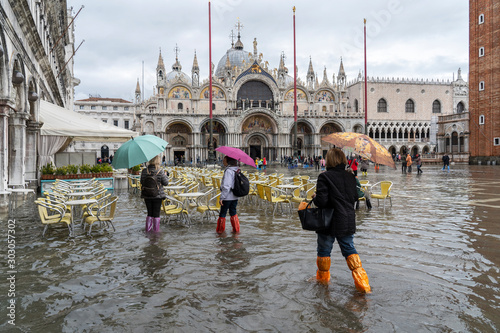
{"points": [[138, 87], [232, 36], [341, 69], [160, 65], [195, 62], [177, 66], [282, 62], [310, 71], [325, 78], [239, 44]]}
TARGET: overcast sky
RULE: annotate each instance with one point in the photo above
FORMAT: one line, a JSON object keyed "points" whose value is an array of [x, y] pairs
{"points": [[406, 38]]}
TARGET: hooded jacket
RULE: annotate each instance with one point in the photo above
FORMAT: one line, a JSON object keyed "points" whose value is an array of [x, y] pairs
{"points": [[336, 188], [227, 183]]}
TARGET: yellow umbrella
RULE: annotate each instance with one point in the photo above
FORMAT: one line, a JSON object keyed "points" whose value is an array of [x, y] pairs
{"points": [[362, 145]]}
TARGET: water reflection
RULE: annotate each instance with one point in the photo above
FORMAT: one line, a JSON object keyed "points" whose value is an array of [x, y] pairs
{"points": [[432, 257]]}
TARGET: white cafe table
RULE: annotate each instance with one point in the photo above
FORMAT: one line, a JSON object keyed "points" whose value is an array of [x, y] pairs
{"points": [[175, 188], [191, 195], [82, 188], [288, 188], [80, 194], [257, 181], [80, 203]]}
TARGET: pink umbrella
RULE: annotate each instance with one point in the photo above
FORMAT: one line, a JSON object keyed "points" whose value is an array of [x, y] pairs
{"points": [[237, 154]]}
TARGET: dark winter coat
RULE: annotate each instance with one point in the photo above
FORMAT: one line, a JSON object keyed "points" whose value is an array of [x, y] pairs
{"points": [[161, 179], [446, 160], [336, 188]]}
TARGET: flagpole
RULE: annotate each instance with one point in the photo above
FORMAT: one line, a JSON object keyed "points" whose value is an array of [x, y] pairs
{"points": [[211, 157], [295, 146], [366, 92]]}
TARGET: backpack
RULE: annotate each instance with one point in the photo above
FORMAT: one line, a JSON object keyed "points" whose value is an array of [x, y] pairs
{"points": [[150, 187], [241, 185]]}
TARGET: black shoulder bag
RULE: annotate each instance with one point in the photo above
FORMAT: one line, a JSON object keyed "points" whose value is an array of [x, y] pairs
{"points": [[316, 219]]}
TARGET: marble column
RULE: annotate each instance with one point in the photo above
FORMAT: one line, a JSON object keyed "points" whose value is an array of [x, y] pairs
{"points": [[17, 147], [4, 151], [32, 137]]}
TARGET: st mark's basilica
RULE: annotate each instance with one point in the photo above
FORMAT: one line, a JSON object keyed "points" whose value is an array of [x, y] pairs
{"points": [[253, 109]]}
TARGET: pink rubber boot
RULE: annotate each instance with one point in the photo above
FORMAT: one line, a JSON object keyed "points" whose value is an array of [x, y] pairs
{"points": [[149, 224], [156, 224]]}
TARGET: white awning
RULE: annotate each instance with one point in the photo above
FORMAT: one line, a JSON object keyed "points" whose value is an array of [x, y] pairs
{"points": [[59, 121]]}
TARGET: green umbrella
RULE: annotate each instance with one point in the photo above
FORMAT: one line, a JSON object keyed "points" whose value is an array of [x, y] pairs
{"points": [[138, 150]]}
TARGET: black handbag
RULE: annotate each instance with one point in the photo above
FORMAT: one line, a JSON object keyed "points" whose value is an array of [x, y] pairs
{"points": [[316, 219]]}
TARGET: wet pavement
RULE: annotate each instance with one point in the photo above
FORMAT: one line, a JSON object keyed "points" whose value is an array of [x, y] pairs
{"points": [[432, 258]]}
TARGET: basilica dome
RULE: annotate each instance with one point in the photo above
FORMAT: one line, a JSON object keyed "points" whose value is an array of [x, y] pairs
{"points": [[177, 73], [236, 56]]}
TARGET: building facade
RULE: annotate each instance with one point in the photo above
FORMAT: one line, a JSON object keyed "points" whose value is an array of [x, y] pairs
{"points": [[253, 104], [484, 73], [115, 111], [36, 49], [415, 115]]}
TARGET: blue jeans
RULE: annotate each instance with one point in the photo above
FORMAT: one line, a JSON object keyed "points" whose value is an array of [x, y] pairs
{"points": [[228, 204], [325, 245]]}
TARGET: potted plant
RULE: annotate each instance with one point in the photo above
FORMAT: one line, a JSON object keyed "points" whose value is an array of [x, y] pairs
{"points": [[107, 169], [61, 172], [48, 171], [72, 170], [136, 169], [96, 170], [85, 171]]}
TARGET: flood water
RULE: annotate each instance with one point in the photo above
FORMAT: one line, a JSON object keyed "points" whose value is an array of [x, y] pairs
{"points": [[432, 259]]}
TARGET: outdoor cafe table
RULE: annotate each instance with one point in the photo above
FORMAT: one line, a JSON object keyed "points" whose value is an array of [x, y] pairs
{"points": [[191, 195], [78, 203], [80, 194], [174, 188], [288, 191], [288, 188], [83, 188]]}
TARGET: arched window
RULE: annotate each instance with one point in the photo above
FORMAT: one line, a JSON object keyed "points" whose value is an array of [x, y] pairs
{"points": [[382, 105], [323, 108], [460, 107], [454, 142], [180, 107], [213, 106], [356, 106], [410, 106], [436, 106]]}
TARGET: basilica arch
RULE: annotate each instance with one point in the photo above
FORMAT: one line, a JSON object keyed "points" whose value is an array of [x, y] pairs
{"points": [[255, 88], [179, 136], [328, 128], [219, 133], [305, 137], [258, 132]]}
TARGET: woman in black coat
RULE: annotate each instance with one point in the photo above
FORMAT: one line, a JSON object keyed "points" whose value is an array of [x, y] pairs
{"points": [[336, 188], [153, 203]]}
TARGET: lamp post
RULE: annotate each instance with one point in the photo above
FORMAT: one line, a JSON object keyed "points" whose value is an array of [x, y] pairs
{"points": [[295, 146], [211, 157]]}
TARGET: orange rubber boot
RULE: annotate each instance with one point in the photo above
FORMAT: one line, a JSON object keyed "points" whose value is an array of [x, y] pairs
{"points": [[235, 223], [323, 272], [358, 273], [221, 225]]}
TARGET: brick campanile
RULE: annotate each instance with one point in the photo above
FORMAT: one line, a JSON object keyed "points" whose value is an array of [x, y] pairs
{"points": [[484, 80]]}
